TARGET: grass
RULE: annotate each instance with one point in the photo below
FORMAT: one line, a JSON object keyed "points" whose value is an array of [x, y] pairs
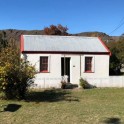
{"points": [[94, 106]]}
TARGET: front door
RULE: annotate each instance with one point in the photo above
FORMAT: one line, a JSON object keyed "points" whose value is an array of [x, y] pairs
{"points": [[65, 67]]}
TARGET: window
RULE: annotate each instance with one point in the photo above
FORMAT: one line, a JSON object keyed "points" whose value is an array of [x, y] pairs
{"points": [[44, 64], [88, 64]]}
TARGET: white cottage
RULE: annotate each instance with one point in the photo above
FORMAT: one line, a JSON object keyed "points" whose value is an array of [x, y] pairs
{"points": [[68, 57]]}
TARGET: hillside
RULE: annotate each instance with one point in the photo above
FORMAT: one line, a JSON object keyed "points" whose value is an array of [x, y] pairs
{"points": [[102, 35], [15, 34]]}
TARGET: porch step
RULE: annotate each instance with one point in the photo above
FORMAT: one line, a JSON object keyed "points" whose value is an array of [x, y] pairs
{"points": [[71, 86]]}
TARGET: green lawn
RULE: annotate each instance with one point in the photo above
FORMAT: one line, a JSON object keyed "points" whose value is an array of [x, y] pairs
{"points": [[94, 106]]}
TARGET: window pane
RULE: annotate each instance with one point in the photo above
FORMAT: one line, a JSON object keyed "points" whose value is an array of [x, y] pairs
{"points": [[43, 64], [88, 63]]}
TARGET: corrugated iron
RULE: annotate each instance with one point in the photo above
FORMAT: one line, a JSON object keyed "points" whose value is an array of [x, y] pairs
{"points": [[62, 43]]}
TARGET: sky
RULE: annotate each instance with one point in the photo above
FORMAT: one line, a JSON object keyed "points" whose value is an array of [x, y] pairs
{"points": [[78, 15]]}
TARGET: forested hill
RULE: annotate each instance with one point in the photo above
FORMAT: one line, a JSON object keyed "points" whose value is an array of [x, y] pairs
{"points": [[102, 35], [15, 34]]}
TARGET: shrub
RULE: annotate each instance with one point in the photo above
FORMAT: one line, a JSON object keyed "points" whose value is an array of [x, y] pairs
{"points": [[14, 74], [63, 84], [14, 80], [84, 84]]}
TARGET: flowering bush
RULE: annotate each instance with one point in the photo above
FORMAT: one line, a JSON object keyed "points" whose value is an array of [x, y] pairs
{"points": [[14, 73]]}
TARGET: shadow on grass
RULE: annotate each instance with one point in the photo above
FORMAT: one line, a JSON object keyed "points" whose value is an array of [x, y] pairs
{"points": [[52, 95], [10, 108], [112, 121]]}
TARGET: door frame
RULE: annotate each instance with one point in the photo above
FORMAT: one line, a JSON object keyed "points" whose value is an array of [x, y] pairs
{"points": [[66, 67]]}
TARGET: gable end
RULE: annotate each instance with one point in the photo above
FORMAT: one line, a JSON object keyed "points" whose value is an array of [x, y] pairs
{"points": [[105, 46]]}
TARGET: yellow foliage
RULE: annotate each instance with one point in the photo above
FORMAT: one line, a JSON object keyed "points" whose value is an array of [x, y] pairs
{"points": [[14, 71]]}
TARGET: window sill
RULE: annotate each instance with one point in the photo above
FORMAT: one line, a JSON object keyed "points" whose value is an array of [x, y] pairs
{"points": [[44, 72], [88, 72]]}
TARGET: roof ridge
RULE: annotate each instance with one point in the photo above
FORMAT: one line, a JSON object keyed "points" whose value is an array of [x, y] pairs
{"points": [[59, 36]]}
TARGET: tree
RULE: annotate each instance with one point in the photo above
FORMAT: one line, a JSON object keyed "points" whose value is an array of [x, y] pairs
{"points": [[14, 73], [3, 40], [117, 57], [56, 30]]}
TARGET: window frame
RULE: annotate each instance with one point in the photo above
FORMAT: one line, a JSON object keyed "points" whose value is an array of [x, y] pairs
{"points": [[44, 64], [90, 63]]}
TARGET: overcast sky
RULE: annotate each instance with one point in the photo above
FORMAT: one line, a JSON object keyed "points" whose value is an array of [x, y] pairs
{"points": [[78, 15]]}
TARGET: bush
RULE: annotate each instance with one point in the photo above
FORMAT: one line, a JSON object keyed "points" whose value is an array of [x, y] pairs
{"points": [[63, 84], [84, 84], [14, 80], [14, 74]]}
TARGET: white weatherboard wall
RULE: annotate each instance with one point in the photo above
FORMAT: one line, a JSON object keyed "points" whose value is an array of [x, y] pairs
{"points": [[100, 67], [53, 77], [111, 81]]}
